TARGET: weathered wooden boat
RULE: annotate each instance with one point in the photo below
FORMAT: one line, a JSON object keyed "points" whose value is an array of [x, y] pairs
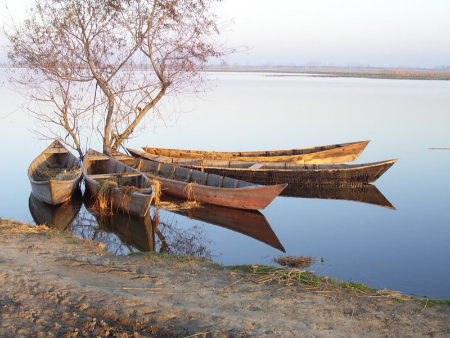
{"points": [[362, 193], [97, 168], [48, 174], [281, 172], [328, 154], [191, 184], [59, 216]]}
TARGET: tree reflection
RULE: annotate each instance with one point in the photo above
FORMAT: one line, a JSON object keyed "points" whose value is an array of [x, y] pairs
{"points": [[175, 240], [159, 231]]}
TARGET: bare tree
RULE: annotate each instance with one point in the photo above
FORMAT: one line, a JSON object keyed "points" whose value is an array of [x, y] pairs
{"points": [[103, 65]]}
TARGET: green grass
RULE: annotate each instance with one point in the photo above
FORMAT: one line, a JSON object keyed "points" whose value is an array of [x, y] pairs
{"points": [[434, 302], [358, 287]]}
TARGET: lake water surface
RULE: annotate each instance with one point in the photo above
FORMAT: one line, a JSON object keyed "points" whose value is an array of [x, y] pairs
{"points": [[404, 249]]}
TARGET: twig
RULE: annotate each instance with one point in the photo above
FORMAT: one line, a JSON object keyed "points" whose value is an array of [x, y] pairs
{"points": [[197, 334]]}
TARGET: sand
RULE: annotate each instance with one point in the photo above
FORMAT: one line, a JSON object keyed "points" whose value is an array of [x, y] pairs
{"points": [[56, 285]]}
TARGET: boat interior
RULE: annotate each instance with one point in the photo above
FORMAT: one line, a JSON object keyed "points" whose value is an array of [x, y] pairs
{"points": [[259, 165], [187, 175], [198, 153], [102, 167], [54, 162]]}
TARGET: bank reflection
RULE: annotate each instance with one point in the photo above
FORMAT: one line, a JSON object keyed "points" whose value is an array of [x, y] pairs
{"points": [[59, 216], [362, 193]]}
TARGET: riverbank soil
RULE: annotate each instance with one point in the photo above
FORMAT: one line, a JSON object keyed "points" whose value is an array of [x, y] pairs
{"points": [[56, 285]]}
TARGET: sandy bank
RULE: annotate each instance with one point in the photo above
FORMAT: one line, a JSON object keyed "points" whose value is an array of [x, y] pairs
{"points": [[55, 285]]}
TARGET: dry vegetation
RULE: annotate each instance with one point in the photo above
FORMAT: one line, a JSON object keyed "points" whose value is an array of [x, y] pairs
{"points": [[57, 174], [103, 203], [295, 262]]}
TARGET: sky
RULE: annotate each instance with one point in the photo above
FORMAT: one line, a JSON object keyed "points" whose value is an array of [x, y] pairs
{"points": [[408, 33], [381, 33]]}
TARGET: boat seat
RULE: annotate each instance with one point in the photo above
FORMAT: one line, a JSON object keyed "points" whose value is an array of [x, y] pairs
{"points": [[123, 157], [99, 176], [56, 151], [98, 158], [256, 166]]}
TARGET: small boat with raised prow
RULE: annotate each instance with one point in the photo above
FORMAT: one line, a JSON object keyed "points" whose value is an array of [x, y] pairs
{"points": [[55, 174], [280, 172], [329, 154], [191, 184]]}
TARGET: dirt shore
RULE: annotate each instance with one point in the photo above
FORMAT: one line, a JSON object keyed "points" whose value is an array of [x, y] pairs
{"points": [[56, 285]]}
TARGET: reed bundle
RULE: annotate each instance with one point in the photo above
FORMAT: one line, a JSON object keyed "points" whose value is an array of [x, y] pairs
{"points": [[295, 262]]}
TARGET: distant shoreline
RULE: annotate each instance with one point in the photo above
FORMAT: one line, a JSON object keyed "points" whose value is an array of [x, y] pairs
{"points": [[438, 74], [348, 72]]}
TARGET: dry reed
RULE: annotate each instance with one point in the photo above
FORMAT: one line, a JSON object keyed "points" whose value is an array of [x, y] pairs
{"points": [[286, 276], [189, 190], [171, 206], [103, 203], [57, 174], [157, 186], [295, 262]]}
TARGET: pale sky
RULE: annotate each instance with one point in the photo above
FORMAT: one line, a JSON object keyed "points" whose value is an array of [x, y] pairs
{"points": [[391, 33], [410, 33]]}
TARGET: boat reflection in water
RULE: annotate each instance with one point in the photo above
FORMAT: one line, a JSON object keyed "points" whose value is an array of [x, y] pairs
{"points": [[363, 193], [59, 216], [156, 232], [122, 233]]}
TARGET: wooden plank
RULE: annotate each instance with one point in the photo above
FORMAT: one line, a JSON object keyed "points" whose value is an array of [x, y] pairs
{"points": [[56, 151], [256, 166], [98, 158], [123, 157], [94, 177]]}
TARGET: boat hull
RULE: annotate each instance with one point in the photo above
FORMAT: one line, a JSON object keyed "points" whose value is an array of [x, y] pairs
{"points": [[282, 172], [329, 154], [308, 175], [135, 203], [195, 185], [252, 198]]}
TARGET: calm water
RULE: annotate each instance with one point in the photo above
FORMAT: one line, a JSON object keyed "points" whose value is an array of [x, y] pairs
{"points": [[406, 249]]}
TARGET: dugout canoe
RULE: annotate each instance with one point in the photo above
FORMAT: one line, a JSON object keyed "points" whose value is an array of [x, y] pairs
{"points": [[192, 184], [97, 168], [328, 154], [281, 172], [43, 174]]}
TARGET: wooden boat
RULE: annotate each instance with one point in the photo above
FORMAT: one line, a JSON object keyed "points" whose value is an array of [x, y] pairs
{"points": [[59, 216], [329, 154], [42, 173], [98, 167], [363, 193], [281, 172], [191, 184]]}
